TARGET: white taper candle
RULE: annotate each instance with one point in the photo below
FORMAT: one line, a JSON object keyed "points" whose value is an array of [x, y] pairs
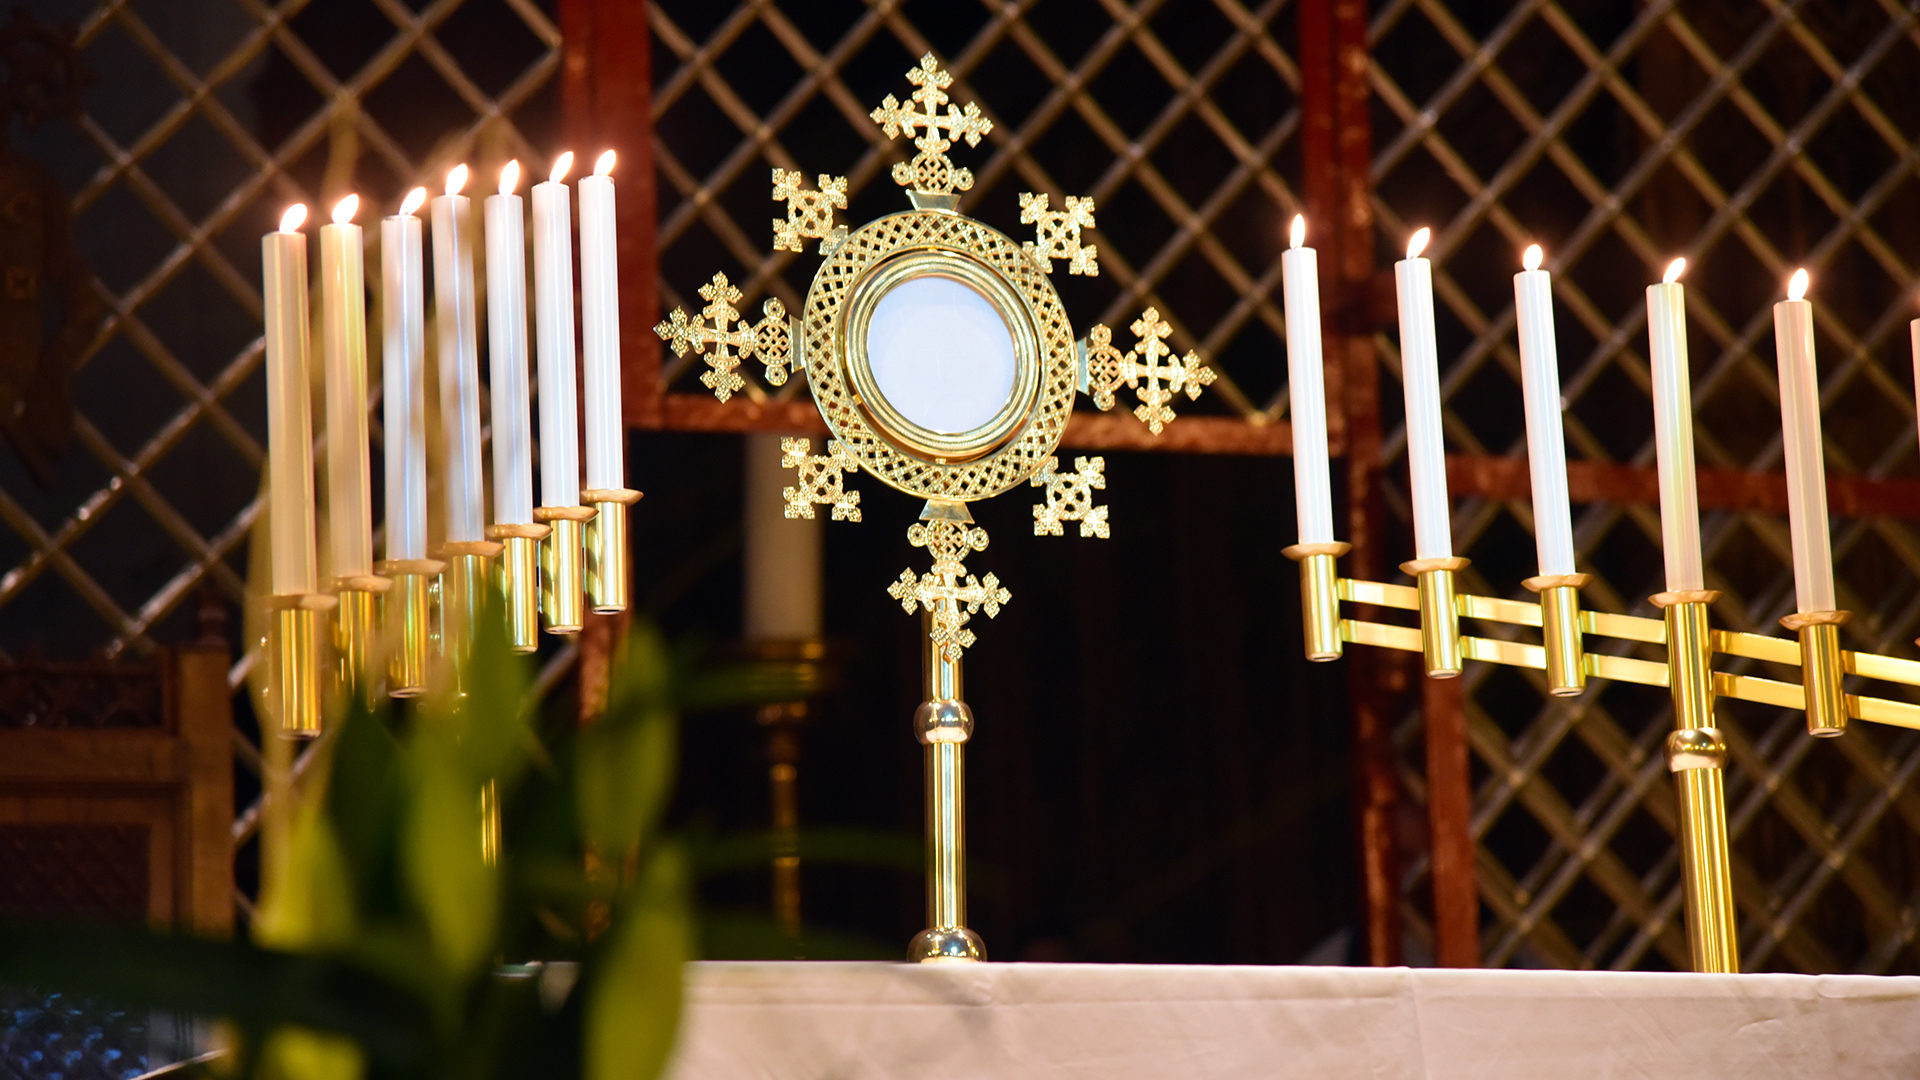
{"points": [[1800, 432], [553, 310], [1420, 379], [1673, 431], [459, 358], [600, 329], [403, 359], [343, 342], [1546, 442], [507, 335], [283, 280], [1306, 387]]}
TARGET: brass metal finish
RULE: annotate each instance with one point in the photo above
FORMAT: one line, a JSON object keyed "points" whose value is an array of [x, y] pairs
{"points": [[1439, 618], [1319, 601], [520, 591], [462, 598], [356, 637], [1821, 670], [943, 724], [1560, 633], [490, 823], [408, 639], [562, 567], [295, 655], [608, 554], [1696, 757]]}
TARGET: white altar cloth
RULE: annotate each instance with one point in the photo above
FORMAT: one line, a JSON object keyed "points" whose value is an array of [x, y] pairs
{"points": [[845, 1021]]}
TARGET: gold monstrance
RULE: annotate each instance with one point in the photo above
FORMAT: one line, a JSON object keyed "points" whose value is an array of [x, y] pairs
{"points": [[943, 363]]}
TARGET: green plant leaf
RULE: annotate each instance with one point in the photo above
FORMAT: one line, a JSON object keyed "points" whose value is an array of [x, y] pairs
{"points": [[296, 1053], [633, 1002], [457, 893], [306, 901], [624, 762]]}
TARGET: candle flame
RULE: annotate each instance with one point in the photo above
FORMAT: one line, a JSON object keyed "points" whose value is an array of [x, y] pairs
{"points": [[1674, 270], [1418, 243], [561, 167], [603, 166], [1299, 235], [1531, 260], [293, 218], [509, 177], [344, 210], [1797, 285], [457, 179], [413, 202]]}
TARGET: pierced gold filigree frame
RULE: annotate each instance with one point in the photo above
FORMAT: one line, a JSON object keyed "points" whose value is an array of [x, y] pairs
{"points": [[959, 467]]}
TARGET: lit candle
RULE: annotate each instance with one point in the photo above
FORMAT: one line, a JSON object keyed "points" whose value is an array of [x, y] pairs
{"points": [[507, 332], [343, 343], [553, 310], [459, 358], [1540, 388], [600, 329], [1673, 431], [1800, 430], [283, 279], [1420, 378], [1306, 388], [403, 378]]}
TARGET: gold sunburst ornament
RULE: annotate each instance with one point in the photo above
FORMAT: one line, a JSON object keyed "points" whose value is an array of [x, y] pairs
{"points": [[944, 365]]}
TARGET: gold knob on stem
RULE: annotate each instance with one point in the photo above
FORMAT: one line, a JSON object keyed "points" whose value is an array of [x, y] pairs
{"points": [[1560, 631], [1319, 596], [1821, 669], [520, 581], [562, 567], [295, 657], [1439, 617], [608, 558]]}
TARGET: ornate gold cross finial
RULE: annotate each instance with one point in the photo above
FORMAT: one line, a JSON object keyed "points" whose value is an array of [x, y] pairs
{"points": [[821, 479], [770, 337], [930, 170], [950, 597], [809, 213], [1070, 497], [1107, 368], [1056, 233]]}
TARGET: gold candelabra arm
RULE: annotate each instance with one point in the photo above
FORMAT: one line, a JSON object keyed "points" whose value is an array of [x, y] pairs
{"points": [[608, 553]]}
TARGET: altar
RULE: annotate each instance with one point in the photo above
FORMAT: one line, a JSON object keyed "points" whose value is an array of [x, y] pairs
{"points": [[858, 1020]]}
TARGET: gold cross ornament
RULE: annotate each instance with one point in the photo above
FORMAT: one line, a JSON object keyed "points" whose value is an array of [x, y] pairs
{"points": [[949, 596], [1056, 233], [821, 479], [809, 213], [732, 339], [930, 171], [1070, 497], [1140, 369]]}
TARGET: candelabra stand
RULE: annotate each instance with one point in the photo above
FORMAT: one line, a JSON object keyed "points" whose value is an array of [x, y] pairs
{"points": [[562, 555], [606, 547], [1696, 750], [295, 661], [816, 667]]}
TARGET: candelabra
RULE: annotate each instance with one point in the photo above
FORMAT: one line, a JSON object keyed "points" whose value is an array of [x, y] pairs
{"points": [[943, 363]]}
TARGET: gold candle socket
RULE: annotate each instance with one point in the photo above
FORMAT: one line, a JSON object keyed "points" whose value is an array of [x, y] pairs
{"points": [[1439, 615], [1821, 669], [1319, 596], [562, 588], [1696, 753], [520, 581], [1560, 631], [608, 558], [943, 724], [356, 635], [295, 655], [462, 598], [409, 625]]}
